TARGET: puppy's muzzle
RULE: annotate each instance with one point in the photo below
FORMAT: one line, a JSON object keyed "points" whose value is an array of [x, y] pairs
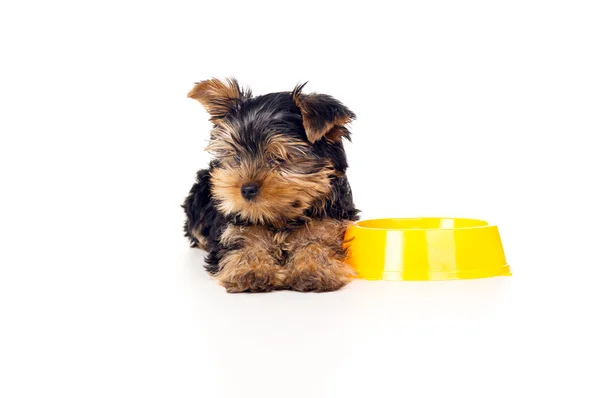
{"points": [[249, 191]]}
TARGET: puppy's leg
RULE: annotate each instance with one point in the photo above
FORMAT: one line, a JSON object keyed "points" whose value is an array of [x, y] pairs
{"points": [[316, 257], [251, 261]]}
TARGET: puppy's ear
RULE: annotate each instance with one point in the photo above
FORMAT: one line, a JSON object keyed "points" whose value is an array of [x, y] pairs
{"points": [[322, 116], [219, 97]]}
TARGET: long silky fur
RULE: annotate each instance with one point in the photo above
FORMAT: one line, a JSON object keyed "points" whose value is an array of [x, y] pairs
{"points": [[248, 131]]}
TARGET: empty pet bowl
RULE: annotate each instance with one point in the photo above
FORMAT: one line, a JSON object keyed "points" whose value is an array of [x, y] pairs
{"points": [[425, 249]]}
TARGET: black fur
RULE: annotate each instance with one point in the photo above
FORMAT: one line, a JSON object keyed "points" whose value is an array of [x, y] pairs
{"points": [[256, 119]]}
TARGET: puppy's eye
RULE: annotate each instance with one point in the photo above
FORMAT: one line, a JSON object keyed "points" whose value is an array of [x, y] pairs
{"points": [[274, 161]]}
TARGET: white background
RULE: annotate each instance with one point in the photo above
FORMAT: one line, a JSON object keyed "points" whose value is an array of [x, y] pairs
{"points": [[465, 108]]}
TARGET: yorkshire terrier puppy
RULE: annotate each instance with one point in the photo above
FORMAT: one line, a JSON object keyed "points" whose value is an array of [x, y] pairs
{"points": [[273, 206]]}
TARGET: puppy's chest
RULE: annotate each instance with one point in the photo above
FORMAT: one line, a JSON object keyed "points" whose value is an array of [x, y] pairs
{"points": [[258, 236], [326, 231], [281, 239]]}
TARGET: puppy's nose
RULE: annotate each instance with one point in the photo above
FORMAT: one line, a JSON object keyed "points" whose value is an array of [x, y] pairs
{"points": [[249, 191]]}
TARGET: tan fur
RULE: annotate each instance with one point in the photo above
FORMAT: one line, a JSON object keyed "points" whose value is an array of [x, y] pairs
{"points": [[303, 101], [291, 184], [200, 238], [285, 191], [308, 259], [286, 148], [336, 134], [316, 257], [327, 130], [256, 266], [315, 135], [215, 95], [280, 147], [221, 136]]}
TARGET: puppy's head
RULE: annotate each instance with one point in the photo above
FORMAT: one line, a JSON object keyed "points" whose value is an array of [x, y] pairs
{"points": [[276, 154]]}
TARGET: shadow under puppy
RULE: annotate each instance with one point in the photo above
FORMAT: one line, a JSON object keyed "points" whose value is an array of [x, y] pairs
{"points": [[273, 207]]}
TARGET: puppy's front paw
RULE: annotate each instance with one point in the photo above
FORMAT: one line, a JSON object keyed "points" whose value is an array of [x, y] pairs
{"points": [[314, 269], [250, 273], [256, 280]]}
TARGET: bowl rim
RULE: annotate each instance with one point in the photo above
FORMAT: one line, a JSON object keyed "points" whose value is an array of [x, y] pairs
{"points": [[356, 224]]}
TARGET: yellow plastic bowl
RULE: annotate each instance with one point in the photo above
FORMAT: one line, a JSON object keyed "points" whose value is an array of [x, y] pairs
{"points": [[425, 249]]}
